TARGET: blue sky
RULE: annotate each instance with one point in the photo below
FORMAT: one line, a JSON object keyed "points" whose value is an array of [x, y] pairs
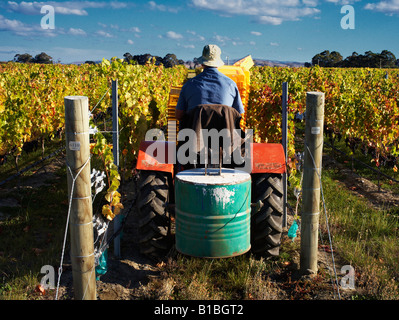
{"points": [[286, 30]]}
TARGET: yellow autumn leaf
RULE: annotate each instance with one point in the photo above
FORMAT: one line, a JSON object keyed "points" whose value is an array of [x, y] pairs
{"points": [[110, 195], [117, 209], [107, 212], [115, 200]]}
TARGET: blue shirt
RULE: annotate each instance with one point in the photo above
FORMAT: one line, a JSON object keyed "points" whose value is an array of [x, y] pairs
{"points": [[209, 87]]}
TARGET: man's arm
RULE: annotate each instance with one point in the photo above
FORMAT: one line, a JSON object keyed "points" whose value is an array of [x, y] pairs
{"points": [[237, 104]]}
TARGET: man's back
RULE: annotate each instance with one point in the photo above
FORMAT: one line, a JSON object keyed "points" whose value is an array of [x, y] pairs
{"points": [[209, 87]]}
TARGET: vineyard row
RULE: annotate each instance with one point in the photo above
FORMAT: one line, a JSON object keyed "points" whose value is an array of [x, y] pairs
{"points": [[361, 105]]}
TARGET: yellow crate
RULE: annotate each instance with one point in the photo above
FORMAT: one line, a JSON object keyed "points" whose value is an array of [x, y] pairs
{"points": [[239, 73], [173, 124]]}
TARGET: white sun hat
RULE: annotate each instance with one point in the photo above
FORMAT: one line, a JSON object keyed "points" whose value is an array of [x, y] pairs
{"points": [[211, 56]]}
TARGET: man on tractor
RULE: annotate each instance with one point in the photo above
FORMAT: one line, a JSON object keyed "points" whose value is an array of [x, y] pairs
{"points": [[211, 100], [209, 87]]}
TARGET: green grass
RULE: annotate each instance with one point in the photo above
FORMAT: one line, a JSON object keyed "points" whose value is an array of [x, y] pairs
{"points": [[31, 237], [365, 237]]}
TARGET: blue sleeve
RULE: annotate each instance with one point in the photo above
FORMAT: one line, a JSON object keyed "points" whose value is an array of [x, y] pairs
{"points": [[237, 104]]}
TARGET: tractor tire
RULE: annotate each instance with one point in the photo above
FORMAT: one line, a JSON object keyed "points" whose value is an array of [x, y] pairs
{"points": [[153, 218], [267, 222]]}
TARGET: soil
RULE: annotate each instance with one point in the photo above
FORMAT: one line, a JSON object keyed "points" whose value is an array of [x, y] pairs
{"points": [[378, 198], [128, 275]]}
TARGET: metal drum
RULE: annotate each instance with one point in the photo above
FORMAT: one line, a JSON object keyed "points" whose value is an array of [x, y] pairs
{"points": [[213, 212]]}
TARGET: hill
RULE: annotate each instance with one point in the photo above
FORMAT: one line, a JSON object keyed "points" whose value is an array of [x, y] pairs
{"points": [[275, 63]]}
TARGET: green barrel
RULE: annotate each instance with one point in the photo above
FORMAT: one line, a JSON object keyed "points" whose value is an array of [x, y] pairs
{"points": [[213, 212]]}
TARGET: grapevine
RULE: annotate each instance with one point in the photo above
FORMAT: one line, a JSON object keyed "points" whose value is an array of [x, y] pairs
{"points": [[361, 106]]}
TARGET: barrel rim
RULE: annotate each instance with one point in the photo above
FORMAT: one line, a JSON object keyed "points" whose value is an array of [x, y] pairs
{"points": [[245, 176]]}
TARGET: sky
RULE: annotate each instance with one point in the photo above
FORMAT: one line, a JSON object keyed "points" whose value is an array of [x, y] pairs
{"points": [[285, 30]]}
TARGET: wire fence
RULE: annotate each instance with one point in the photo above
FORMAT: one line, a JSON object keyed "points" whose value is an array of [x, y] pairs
{"points": [[375, 170]]}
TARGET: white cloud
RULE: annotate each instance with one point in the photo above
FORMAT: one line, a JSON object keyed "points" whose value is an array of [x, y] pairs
{"points": [[225, 40], [135, 29], [118, 5], [256, 33], [270, 20], [130, 41], [388, 7], [77, 32], [173, 35], [274, 44], [22, 29], [221, 39], [265, 12], [104, 34], [12, 25], [311, 3], [161, 7], [66, 8], [196, 36], [342, 2]]}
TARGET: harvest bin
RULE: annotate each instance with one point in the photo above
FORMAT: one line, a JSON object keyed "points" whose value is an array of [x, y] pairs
{"points": [[213, 212]]}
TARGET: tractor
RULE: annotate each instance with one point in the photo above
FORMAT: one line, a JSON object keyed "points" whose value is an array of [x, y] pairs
{"points": [[156, 197]]}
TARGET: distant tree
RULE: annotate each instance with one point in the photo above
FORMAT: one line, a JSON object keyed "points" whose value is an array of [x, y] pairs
{"points": [[158, 60], [327, 59], [352, 60], [43, 58], [385, 59], [142, 59], [23, 58], [128, 57], [89, 62], [335, 58], [170, 60]]}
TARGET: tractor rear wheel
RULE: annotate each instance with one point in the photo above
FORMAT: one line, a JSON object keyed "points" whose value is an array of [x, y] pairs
{"points": [[267, 223], [153, 217]]}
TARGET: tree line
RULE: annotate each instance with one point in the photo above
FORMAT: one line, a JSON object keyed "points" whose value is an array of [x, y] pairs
{"points": [[27, 58], [334, 59], [169, 61]]}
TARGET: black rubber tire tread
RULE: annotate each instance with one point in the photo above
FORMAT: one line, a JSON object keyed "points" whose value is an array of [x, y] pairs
{"points": [[153, 219], [266, 224]]}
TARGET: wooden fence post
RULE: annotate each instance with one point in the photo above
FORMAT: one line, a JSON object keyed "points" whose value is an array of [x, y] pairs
{"points": [[79, 189], [311, 181]]}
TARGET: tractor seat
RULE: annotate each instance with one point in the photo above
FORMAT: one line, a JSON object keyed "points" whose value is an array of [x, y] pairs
{"points": [[212, 116]]}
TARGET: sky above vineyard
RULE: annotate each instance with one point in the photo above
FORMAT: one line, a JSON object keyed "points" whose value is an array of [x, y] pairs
{"points": [[284, 30]]}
